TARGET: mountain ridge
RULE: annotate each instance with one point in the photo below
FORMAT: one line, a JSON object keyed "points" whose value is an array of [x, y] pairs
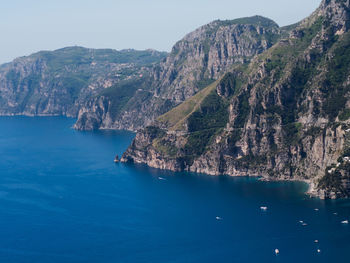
{"points": [[283, 116], [59, 82], [197, 60]]}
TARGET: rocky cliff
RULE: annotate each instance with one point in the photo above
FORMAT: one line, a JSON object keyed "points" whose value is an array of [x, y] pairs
{"points": [[285, 116], [197, 60], [59, 82]]}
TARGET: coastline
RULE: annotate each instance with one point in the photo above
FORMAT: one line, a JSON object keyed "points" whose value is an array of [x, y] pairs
{"points": [[311, 191]]}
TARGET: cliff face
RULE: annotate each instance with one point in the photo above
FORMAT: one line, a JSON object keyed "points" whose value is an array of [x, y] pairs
{"points": [[59, 82], [205, 54], [197, 60], [285, 116]]}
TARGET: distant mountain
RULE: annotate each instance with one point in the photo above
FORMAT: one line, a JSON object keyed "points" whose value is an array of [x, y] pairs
{"points": [[238, 97], [59, 82], [283, 116], [196, 61]]}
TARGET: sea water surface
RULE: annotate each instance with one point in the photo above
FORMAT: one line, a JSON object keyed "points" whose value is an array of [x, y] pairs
{"points": [[62, 199]]}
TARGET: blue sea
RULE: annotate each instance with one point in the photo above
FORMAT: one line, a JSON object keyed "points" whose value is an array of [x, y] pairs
{"points": [[62, 199]]}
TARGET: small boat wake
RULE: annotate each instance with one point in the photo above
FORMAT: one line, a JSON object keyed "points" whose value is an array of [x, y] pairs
{"points": [[263, 208]]}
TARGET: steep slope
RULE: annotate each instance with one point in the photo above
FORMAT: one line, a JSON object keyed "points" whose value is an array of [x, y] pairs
{"points": [[59, 82], [286, 116], [197, 60]]}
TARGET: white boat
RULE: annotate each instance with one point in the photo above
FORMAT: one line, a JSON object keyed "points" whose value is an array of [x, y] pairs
{"points": [[345, 222], [316, 209], [318, 250], [316, 241], [218, 218], [161, 178], [263, 208], [277, 251]]}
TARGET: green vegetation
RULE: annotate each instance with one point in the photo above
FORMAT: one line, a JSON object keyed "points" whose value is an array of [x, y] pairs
{"points": [[12, 76], [31, 82], [307, 72], [289, 58], [74, 74], [254, 20], [204, 115], [335, 174], [165, 147], [333, 180], [204, 123], [120, 94], [60, 58], [212, 114], [251, 161], [313, 132], [231, 83], [243, 109], [154, 132], [292, 133], [197, 143], [232, 139], [300, 76], [204, 83], [338, 67], [278, 57], [345, 115], [74, 84], [282, 58], [287, 29], [177, 117], [228, 81], [310, 32]]}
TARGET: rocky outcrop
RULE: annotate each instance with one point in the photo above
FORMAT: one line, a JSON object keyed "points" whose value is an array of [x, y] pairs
{"points": [[61, 81], [284, 117], [210, 51], [89, 115], [197, 60]]}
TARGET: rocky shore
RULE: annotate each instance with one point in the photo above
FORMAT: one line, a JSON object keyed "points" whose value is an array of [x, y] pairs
{"points": [[285, 116]]}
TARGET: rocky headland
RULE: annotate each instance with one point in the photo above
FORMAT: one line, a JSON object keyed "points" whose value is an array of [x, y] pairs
{"points": [[285, 115]]}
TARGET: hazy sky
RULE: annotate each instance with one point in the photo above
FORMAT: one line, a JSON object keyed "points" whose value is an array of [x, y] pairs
{"points": [[27, 26]]}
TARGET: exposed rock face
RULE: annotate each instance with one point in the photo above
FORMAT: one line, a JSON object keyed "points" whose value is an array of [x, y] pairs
{"points": [[210, 51], [197, 60], [91, 119], [337, 12], [59, 82], [284, 117]]}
